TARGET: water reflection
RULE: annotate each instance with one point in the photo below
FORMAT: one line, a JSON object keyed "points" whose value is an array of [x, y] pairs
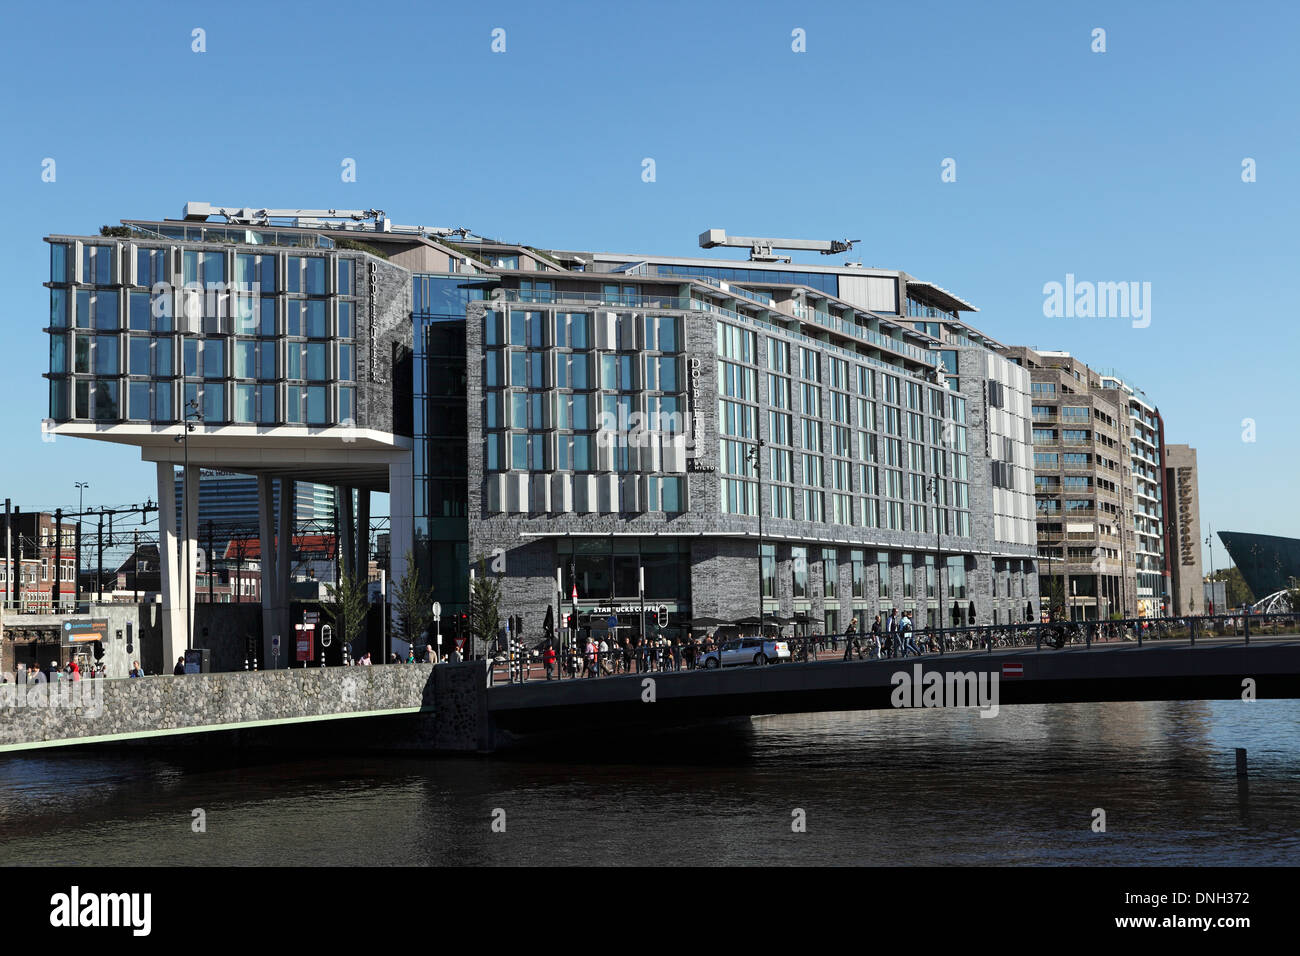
{"points": [[924, 787]]}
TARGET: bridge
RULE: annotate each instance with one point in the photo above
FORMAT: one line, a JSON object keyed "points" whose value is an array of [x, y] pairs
{"points": [[457, 707], [1213, 669]]}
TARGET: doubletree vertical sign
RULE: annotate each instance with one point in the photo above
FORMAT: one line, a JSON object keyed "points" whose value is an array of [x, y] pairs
{"points": [[693, 393]]}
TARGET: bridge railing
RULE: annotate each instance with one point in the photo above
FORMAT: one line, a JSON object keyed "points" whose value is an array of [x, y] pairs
{"points": [[528, 663]]}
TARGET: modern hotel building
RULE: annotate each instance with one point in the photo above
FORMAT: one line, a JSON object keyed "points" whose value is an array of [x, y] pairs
{"points": [[615, 423]]}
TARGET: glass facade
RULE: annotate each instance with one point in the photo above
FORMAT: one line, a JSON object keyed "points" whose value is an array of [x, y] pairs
{"points": [[441, 447], [830, 424], [138, 330]]}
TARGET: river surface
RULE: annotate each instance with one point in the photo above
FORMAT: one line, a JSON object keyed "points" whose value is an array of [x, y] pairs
{"points": [[877, 787]]}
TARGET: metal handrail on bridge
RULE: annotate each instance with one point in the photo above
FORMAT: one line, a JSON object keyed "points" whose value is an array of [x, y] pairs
{"points": [[572, 661]]}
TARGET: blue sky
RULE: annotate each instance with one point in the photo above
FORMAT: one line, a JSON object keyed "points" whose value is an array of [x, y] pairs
{"points": [[1115, 166]]}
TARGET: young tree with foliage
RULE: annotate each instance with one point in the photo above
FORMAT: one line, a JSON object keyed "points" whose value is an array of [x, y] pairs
{"points": [[1236, 591], [413, 603], [484, 605], [347, 606]]}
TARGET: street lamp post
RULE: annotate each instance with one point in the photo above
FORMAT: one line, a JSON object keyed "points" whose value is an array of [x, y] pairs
{"points": [[755, 455], [192, 416], [81, 487], [933, 482], [1209, 543]]}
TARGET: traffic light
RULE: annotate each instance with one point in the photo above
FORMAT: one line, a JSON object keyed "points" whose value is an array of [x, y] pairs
{"points": [[663, 616]]}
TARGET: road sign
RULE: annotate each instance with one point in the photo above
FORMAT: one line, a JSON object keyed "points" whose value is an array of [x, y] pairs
{"points": [[1013, 670], [437, 609], [311, 617], [306, 642], [275, 643], [611, 622], [326, 635]]}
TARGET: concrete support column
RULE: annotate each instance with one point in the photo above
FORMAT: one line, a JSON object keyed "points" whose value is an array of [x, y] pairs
{"points": [[343, 506], [266, 539], [284, 563], [190, 543], [401, 499], [362, 563], [173, 612]]}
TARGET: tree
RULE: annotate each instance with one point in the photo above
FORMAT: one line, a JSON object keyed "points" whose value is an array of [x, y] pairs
{"points": [[347, 606], [1236, 591], [484, 605], [413, 603]]}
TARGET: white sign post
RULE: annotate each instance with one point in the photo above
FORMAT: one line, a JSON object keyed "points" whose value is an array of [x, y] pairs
{"points": [[437, 632]]}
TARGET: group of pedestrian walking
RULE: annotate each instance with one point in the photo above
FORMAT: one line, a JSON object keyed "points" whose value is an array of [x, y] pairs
{"points": [[894, 637]]}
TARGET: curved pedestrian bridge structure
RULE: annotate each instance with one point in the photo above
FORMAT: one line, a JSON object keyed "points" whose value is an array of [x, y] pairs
{"points": [[454, 707]]}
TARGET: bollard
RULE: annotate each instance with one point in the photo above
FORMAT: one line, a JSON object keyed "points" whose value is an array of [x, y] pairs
{"points": [[245, 663], [1241, 762]]}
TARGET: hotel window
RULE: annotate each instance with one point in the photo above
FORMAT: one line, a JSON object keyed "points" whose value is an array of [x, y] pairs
{"points": [[812, 470], [839, 370], [799, 569], [736, 419], [858, 575], [891, 389], [840, 407], [841, 441], [778, 356], [738, 497], [778, 391], [830, 572], [59, 262], [842, 510], [734, 459], [769, 571], [97, 265], [867, 447], [781, 460], [865, 380], [893, 421], [782, 498], [882, 575], [778, 427], [735, 343], [571, 330], [735, 381], [59, 309], [868, 480], [840, 475], [812, 434], [660, 333], [808, 365], [811, 400]]}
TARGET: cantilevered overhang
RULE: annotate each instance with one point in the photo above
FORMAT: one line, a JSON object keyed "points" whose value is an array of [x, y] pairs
{"points": [[336, 455], [940, 297]]}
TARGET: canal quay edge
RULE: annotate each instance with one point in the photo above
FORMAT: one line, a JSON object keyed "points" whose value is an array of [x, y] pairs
{"points": [[438, 708]]}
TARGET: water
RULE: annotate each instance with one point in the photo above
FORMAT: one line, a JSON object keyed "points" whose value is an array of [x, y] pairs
{"points": [[896, 787]]}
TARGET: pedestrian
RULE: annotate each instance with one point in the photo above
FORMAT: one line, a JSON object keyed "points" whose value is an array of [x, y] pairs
{"points": [[589, 659], [548, 658], [605, 667], [180, 666], [891, 634], [135, 670], [851, 640], [875, 636], [905, 631]]}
